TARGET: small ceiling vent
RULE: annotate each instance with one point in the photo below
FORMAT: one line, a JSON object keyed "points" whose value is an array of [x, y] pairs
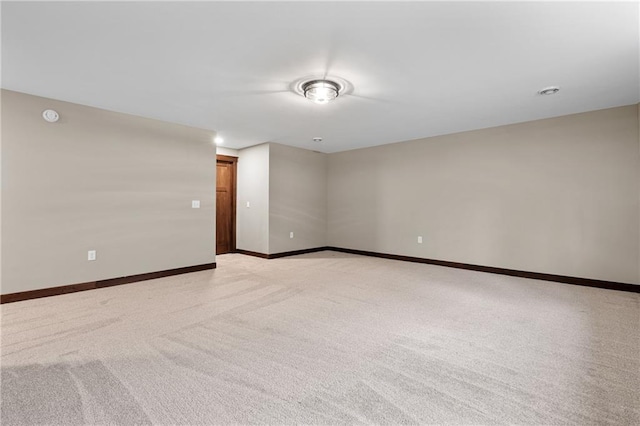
{"points": [[552, 90]]}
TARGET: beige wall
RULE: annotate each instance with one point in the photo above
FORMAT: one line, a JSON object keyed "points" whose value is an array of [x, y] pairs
{"points": [[220, 150], [287, 191], [297, 198], [556, 196], [252, 223], [115, 183], [1, 186]]}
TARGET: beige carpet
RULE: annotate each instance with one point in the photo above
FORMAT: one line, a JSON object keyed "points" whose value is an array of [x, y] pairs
{"points": [[324, 338]]}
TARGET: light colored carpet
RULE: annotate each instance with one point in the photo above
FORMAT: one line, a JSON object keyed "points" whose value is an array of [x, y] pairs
{"points": [[324, 338]]}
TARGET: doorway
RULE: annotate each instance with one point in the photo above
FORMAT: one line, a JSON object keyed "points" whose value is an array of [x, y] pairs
{"points": [[225, 204]]}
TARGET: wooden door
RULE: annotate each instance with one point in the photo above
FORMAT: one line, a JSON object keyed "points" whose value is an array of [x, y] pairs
{"points": [[225, 204]]}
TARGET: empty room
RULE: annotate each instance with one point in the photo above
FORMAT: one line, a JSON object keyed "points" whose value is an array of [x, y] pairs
{"points": [[320, 213]]}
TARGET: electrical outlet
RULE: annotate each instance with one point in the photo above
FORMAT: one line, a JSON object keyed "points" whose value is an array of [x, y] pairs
{"points": [[419, 240], [91, 255], [291, 234], [195, 204]]}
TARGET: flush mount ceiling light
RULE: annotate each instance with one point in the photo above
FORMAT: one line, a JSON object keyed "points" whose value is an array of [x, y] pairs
{"points": [[552, 90], [218, 140], [321, 91]]}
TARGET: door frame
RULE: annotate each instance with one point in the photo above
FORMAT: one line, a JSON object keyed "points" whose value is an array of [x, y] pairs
{"points": [[227, 159]]}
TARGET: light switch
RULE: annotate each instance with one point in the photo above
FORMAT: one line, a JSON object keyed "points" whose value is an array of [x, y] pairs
{"points": [[291, 234], [195, 204], [91, 255], [248, 204], [419, 240]]}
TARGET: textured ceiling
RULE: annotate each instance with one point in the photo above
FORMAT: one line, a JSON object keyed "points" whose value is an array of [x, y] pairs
{"points": [[418, 69]]}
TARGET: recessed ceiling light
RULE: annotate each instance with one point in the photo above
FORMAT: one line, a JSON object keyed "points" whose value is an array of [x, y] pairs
{"points": [[316, 139], [321, 91], [552, 90], [218, 140]]}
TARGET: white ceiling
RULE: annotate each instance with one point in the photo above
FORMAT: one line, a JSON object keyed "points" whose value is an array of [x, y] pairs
{"points": [[418, 69]]}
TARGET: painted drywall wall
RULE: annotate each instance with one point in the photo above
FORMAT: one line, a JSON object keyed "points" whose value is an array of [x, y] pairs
{"points": [[1, 184], [297, 198], [286, 189], [252, 223], [221, 150], [555, 196], [105, 181]]}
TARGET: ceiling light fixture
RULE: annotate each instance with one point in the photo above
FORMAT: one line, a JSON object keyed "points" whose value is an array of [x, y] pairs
{"points": [[549, 90], [50, 115], [218, 140], [321, 91]]}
